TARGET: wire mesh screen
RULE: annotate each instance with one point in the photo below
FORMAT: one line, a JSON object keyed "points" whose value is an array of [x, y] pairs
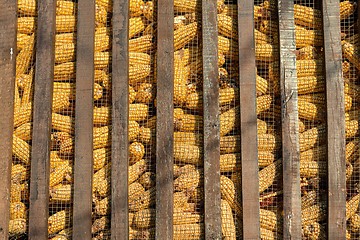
{"points": [[312, 117], [269, 118], [20, 171], [349, 34]]}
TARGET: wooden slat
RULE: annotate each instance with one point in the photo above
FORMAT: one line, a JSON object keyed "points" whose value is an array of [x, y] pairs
{"points": [[83, 168], [211, 121], [248, 121], [290, 122], [164, 123], [43, 88], [335, 120], [120, 110], [8, 25]]}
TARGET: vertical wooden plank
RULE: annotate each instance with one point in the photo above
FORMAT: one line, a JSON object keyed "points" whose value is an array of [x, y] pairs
{"points": [[43, 88], [8, 26], [164, 123], [335, 120], [290, 124], [211, 120], [248, 121], [120, 110], [83, 167]]}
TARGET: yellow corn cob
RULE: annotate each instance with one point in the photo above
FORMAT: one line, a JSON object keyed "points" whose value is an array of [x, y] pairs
{"points": [[136, 170], [351, 52], [100, 224], [69, 89], [310, 111], [352, 149], [138, 73], [268, 27], [346, 9], [136, 26], [17, 210], [319, 99], [138, 58], [180, 200], [28, 89], [141, 44], [59, 237], [313, 231], [102, 207], [184, 35], [261, 38], [180, 81], [65, 53], [65, 38], [268, 219], [65, 8], [61, 193], [136, 152], [135, 189], [309, 199], [315, 213], [227, 26], [265, 158], [23, 59], [185, 153], [268, 175], [228, 228], [310, 169], [106, 4], [312, 137], [355, 223], [230, 162], [147, 180], [24, 131], [304, 68], [306, 37], [307, 53], [150, 30], [317, 153], [188, 122], [266, 52], [22, 40], [15, 192], [102, 187], [184, 169], [263, 103], [17, 226], [26, 7], [65, 24], [148, 11], [100, 16], [26, 25], [189, 231], [311, 84], [352, 206], [189, 180], [102, 60], [145, 93], [230, 193], [352, 90], [23, 80], [60, 102], [307, 16], [143, 201], [57, 174], [228, 47], [63, 123], [302, 126], [188, 138], [57, 221], [101, 157], [18, 173], [21, 150], [190, 6], [64, 71], [267, 234]]}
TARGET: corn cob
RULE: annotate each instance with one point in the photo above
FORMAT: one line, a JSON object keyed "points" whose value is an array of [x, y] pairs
{"points": [[135, 189], [105, 4], [141, 44], [268, 219], [138, 74], [147, 180], [143, 201], [346, 9], [69, 89], [185, 153], [17, 226], [315, 213], [18, 173], [305, 37], [23, 59], [310, 111], [228, 228], [267, 234], [230, 193], [230, 162], [310, 169], [57, 221], [265, 158], [102, 187], [188, 122], [21, 150], [266, 52], [65, 8], [268, 175], [145, 93], [263, 103], [57, 174], [189, 231], [136, 170], [352, 206], [100, 16], [26, 7], [190, 6], [150, 30], [100, 224], [309, 199], [261, 38], [16, 192], [59, 237], [352, 90], [65, 53], [62, 123], [61, 193], [351, 52], [184, 169], [102, 207], [312, 137], [17, 210], [227, 26], [60, 102], [138, 58], [304, 68], [313, 231], [188, 180], [317, 153], [22, 40], [355, 223], [184, 35], [181, 200], [352, 149], [65, 24], [136, 152], [148, 11], [102, 60], [136, 26], [307, 16], [64, 71], [311, 84], [268, 27], [26, 25], [180, 81], [24, 131], [302, 126], [306, 53]]}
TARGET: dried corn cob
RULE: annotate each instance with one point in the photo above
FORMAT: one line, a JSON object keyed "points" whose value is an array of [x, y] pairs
{"points": [[187, 153], [69, 89], [102, 187], [304, 68], [57, 221], [145, 93], [312, 169], [227, 26], [65, 53], [313, 231], [65, 24], [136, 26], [23, 59], [184, 169], [306, 53], [60, 102], [230, 193], [141, 44], [136, 152], [22, 40], [102, 207], [136, 170], [309, 199], [62, 123], [189, 231], [346, 9], [315, 213], [64, 71], [138, 73], [147, 180], [138, 58], [307, 16], [305, 37], [188, 180], [26, 7], [268, 175], [17, 226], [266, 52], [263, 103], [311, 111], [189, 6], [351, 52], [18, 173], [228, 228], [65, 8], [135, 7], [317, 153], [135, 189], [355, 223], [21, 150], [100, 16], [268, 219], [24, 131], [261, 38], [267, 234], [100, 224], [184, 35], [17, 210], [148, 11], [57, 174], [180, 81], [143, 201], [61, 193], [311, 84], [352, 206], [312, 137]]}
